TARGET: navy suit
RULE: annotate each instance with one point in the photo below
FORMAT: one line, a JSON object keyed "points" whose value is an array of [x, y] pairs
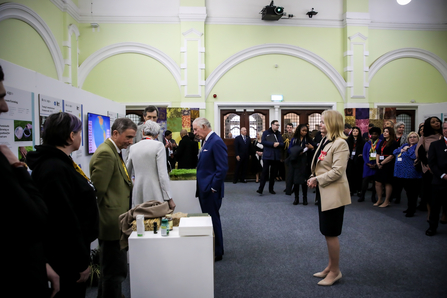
{"points": [[270, 157], [211, 171], [242, 149], [437, 161]]}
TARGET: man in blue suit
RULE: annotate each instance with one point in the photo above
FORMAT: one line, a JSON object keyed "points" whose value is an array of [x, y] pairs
{"points": [[242, 150], [211, 171], [273, 144]]}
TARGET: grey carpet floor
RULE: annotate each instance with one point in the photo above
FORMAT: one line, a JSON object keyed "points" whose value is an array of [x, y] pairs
{"points": [[272, 248]]}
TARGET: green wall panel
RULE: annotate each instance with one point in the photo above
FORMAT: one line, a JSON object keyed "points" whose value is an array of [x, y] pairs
{"points": [[406, 79], [256, 79], [132, 78], [22, 45], [165, 38], [223, 41]]}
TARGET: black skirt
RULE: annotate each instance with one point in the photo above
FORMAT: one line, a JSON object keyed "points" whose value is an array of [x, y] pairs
{"points": [[331, 221]]}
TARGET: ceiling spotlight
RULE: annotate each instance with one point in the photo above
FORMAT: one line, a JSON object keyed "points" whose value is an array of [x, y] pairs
{"points": [[311, 13], [403, 2]]}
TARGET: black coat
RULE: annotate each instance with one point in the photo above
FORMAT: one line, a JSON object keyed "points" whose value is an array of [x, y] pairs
{"points": [[186, 153], [72, 208], [241, 148], [25, 223], [437, 161]]}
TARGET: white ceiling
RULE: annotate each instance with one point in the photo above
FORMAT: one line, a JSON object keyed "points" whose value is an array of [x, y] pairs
{"points": [[381, 11]]}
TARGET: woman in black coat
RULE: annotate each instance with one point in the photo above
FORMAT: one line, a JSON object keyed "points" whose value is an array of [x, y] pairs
{"points": [[301, 150], [71, 201], [354, 170]]}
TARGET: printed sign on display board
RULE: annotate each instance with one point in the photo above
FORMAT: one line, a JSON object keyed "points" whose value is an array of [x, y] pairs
{"points": [[17, 125]]}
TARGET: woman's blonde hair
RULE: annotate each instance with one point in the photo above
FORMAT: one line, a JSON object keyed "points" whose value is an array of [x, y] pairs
{"points": [[333, 121], [411, 133]]}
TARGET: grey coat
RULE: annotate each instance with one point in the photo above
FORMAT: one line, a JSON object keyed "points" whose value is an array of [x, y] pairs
{"points": [[147, 159]]}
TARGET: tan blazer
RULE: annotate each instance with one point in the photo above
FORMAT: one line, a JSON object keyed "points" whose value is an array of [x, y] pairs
{"points": [[113, 189], [331, 175]]}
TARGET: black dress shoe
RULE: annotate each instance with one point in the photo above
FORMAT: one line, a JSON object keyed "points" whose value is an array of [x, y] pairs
{"points": [[272, 192], [259, 191], [421, 207], [304, 201], [234, 182], [409, 214], [361, 199], [430, 232], [296, 202], [405, 211], [218, 258]]}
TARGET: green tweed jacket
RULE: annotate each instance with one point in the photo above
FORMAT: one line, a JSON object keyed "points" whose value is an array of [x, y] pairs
{"points": [[113, 189]]}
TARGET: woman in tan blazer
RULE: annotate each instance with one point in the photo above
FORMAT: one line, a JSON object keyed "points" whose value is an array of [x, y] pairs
{"points": [[329, 174]]}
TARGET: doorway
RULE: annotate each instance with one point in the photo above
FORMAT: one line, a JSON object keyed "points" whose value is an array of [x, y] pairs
{"points": [[231, 122]]}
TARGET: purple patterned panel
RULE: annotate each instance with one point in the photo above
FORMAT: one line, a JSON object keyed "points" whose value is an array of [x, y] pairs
{"points": [[362, 113]]}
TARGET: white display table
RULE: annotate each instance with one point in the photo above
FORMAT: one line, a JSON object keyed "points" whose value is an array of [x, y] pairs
{"points": [[184, 194], [171, 266]]}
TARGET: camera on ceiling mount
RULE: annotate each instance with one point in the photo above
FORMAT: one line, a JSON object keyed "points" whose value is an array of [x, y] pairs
{"points": [[272, 12], [311, 13]]}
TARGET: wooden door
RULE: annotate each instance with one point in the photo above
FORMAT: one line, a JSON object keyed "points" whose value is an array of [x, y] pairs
{"points": [[231, 121]]}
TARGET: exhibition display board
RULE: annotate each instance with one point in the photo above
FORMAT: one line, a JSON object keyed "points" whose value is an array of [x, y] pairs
{"points": [[171, 266]]}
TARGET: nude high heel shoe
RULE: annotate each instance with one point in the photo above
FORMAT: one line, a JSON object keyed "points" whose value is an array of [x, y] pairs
{"points": [[325, 282], [320, 274]]}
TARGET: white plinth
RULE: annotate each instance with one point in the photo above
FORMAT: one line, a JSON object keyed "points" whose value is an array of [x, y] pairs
{"points": [[184, 195], [171, 266]]}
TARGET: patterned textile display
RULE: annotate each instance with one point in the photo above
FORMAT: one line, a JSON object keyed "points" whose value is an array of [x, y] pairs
{"points": [[362, 117], [174, 116]]}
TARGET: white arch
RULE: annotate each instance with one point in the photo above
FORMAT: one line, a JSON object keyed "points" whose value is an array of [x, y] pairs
{"points": [[421, 54], [27, 15], [282, 49], [127, 47]]}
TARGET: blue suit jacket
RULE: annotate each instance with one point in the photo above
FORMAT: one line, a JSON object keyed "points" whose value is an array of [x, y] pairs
{"points": [[242, 148], [268, 139], [212, 167]]}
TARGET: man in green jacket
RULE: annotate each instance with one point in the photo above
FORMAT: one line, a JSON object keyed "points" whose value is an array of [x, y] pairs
{"points": [[114, 187]]}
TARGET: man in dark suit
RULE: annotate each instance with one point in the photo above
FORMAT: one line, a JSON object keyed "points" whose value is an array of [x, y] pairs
{"points": [[114, 187], [242, 150], [273, 144], [186, 153], [211, 171], [437, 161]]}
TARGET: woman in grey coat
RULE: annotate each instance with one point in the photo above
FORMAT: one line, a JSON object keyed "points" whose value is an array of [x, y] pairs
{"points": [[147, 159]]}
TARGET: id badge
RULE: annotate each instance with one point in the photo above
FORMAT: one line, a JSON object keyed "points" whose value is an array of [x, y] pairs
{"points": [[381, 157], [399, 159], [373, 155], [353, 152]]}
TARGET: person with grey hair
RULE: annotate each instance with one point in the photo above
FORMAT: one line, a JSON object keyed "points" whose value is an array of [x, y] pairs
{"points": [[147, 159], [401, 139], [113, 190], [211, 171]]}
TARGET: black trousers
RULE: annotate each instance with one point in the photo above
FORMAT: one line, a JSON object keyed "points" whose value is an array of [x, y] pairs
{"points": [[365, 184], [427, 177], [438, 200], [411, 187], [270, 167], [113, 263], [241, 169]]}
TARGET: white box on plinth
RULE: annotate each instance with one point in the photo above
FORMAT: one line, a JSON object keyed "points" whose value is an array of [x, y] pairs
{"points": [[196, 226], [173, 266]]}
